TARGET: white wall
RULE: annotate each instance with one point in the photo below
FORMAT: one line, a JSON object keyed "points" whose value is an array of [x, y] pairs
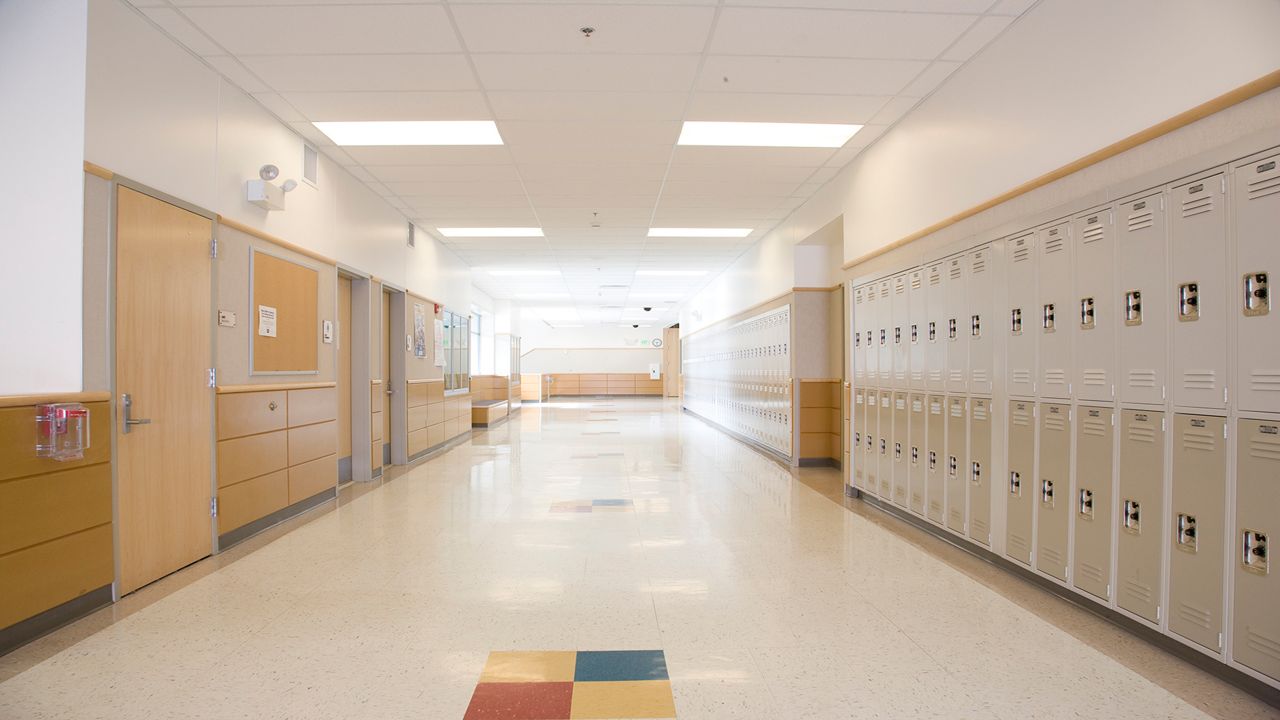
{"points": [[42, 82], [536, 334], [571, 360]]}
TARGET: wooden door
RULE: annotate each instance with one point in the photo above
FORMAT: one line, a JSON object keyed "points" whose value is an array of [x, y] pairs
{"points": [[344, 374], [163, 355]]}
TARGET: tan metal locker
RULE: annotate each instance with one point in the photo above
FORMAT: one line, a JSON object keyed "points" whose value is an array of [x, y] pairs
{"points": [[884, 333], [932, 334], [936, 458], [871, 335], [915, 333], [856, 442], [871, 443], [1143, 299], [1255, 621], [884, 446], [917, 460], [1256, 201], [1093, 515], [859, 349], [1021, 323], [980, 470], [980, 299], [1198, 246], [1199, 524], [955, 333], [957, 462], [1053, 491], [1140, 540], [1095, 315], [1054, 311], [901, 452], [1021, 486], [899, 339]]}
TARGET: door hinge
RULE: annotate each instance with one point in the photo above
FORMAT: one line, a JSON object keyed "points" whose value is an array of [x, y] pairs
{"points": [[213, 247], [213, 507], [213, 377]]}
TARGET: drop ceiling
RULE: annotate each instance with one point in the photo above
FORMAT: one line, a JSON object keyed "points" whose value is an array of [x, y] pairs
{"points": [[590, 124]]}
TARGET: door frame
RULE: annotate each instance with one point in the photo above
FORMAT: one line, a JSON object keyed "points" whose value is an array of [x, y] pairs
{"points": [[116, 182], [395, 384], [362, 368]]}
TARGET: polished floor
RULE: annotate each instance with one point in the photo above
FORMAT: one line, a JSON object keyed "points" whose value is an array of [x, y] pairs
{"points": [[768, 595]]}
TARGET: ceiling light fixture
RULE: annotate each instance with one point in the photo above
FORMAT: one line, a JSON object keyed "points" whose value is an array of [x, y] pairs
{"points": [[491, 232], [412, 132], [699, 232], [524, 273], [762, 134], [672, 273]]}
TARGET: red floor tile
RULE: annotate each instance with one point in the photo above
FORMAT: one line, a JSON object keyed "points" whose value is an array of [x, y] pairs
{"points": [[521, 701]]}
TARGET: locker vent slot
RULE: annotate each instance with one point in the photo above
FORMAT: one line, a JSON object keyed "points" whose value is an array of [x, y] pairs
{"points": [[1194, 615], [1094, 427], [1254, 551], [1021, 250], [1198, 205], [980, 376], [935, 408], [1093, 377], [955, 271], [935, 376], [957, 410], [1094, 232], [935, 277], [1053, 556], [1142, 378], [915, 282], [1021, 418], [1019, 544], [1199, 440], [978, 264], [980, 412], [1054, 244], [1137, 591], [1262, 644], [1022, 377], [1055, 377], [884, 290], [1091, 572], [1199, 379], [1142, 218], [1266, 181], [1057, 423], [1264, 449], [916, 405]]}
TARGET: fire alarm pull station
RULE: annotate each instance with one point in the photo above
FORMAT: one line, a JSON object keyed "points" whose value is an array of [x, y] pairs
{"points": [[62, 431]]}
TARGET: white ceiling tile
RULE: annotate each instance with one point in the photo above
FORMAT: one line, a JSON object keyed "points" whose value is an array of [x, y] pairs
{"points": [[311, 133], [570, 170], [456, 188], [361, 174], [893, 111], [279, 107], [635, 202], [593, 187], [835, 33], [337, 155], [822, 175], [603, 105], [614, 73], [337, 29], [752, 156], [390, 105], [983, 32], [943, 6], [822, 76], [1012, 7], [930, 79], [430, 173], [434, 202], [534, 154], [440, 155], [330, 73], [526, 28], [180, 29], [234, 71], [747, 188], [845, 155], [758, 107], [739, 173]]}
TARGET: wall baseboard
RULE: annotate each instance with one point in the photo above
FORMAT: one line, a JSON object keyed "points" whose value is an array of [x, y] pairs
{"points": [[820, 462], [244, 532], [447, 444], [36, 626]]}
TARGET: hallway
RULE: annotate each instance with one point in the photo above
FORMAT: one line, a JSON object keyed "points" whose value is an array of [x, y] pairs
{"points": [[767, 597]]}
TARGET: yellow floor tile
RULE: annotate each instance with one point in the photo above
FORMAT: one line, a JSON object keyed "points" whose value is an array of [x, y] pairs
{"points": [[640, 699], [530, 667]]}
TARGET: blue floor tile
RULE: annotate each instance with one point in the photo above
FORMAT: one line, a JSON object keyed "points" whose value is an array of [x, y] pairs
{"points": [[620, 665]]}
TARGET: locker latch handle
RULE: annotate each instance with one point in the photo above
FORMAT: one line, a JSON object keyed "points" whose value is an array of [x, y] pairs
{"points": [[975, 473], [1254, 551], [953, 465], [857, 340], [1133, 307], [868, 338], [1086, 503], [951, 329], [1046, 491], [883, 339], [857, 439], [1257, 300], [1131, 520], [1087, 319], [915, 333], [897, 451], [897, 336], [870, 446], [933, 460], [1047, 319], [1186, 532], [1015, 321], [933, 331], [915, 456], [884, 448], [1015, 483], [975, 326], [1188, 302]]}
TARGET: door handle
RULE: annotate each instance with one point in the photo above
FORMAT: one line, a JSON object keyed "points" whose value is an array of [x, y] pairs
{"points": [[126, 403]]}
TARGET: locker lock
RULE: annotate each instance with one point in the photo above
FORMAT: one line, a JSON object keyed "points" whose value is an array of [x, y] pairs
{"points": [[884, 449], [915, 455], [1046, 492], [933, 460], [1257, 301], [1086, 504], [933, 331], [975, 473], [1015, 483], [897, 451], [1086, 314], [857, 439], [1015, 321], [868, 338], [1131, 520], [1189, 302], [897, 336], [951, 329], [1047, 321], [915, 333], [857, 339], [869, 446], [882, 336], [1254, 548], [953, 465], [975, 326], [1186, 532], [1133, 307]]}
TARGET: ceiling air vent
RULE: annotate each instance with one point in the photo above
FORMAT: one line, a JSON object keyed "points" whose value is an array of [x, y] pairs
{"points": [[310, 165], [410, 239]]}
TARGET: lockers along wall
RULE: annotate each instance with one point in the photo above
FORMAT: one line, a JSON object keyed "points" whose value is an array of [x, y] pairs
{"points": [[1129, 394]]}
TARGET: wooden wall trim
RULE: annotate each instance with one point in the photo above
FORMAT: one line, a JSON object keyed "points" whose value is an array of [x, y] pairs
{"points": [[816, 289], [1270, 81], [821, 380], [229, 389], [423, 381], [98, 170], [247, 230], [80, 397]]}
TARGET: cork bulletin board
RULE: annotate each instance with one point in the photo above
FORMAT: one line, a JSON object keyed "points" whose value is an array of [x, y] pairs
{"points": [[284, 327]]}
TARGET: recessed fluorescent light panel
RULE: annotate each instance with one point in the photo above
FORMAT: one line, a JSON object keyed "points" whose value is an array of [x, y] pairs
{"points": [[412, 132], [699, 232], [524, 273], [762, 134], [491, 232], [671, 273]]}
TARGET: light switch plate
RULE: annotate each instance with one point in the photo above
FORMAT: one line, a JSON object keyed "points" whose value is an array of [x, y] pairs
{"points": [[226, 318], [328, 332]]}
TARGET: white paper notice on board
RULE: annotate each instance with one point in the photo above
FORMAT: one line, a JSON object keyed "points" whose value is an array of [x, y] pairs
{"points": [[439, 343], [266, 321]]}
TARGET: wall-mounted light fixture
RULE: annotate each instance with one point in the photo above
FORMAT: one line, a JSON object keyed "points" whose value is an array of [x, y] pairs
{"points": [[264, 193]]}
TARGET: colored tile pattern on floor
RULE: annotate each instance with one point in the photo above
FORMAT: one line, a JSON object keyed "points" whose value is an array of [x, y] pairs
{"points": [[596, 505], [568, 685]]}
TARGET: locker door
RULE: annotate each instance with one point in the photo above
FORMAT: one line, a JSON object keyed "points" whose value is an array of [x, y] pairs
{"points": [[1094, 377], [956, 331], [1256, 201], [915, 332], [1021, 480], [859, 349], [1199, 524], [957, 462], [1198, 243], [901, 453], [871, 443], [899, 332], [1020, 352], [859, 427], [978, 324], [980, 470], [1141, 299], [1139, 544], [884, 446], [936, 458], [1054, 311], [884, 318], [917, 459], [870, 335], [1093, 515], [1255, 623], [933, 333], [1053, 492]]}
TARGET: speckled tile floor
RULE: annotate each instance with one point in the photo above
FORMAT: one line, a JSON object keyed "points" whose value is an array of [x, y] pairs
{"points": [[770, 595]]}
